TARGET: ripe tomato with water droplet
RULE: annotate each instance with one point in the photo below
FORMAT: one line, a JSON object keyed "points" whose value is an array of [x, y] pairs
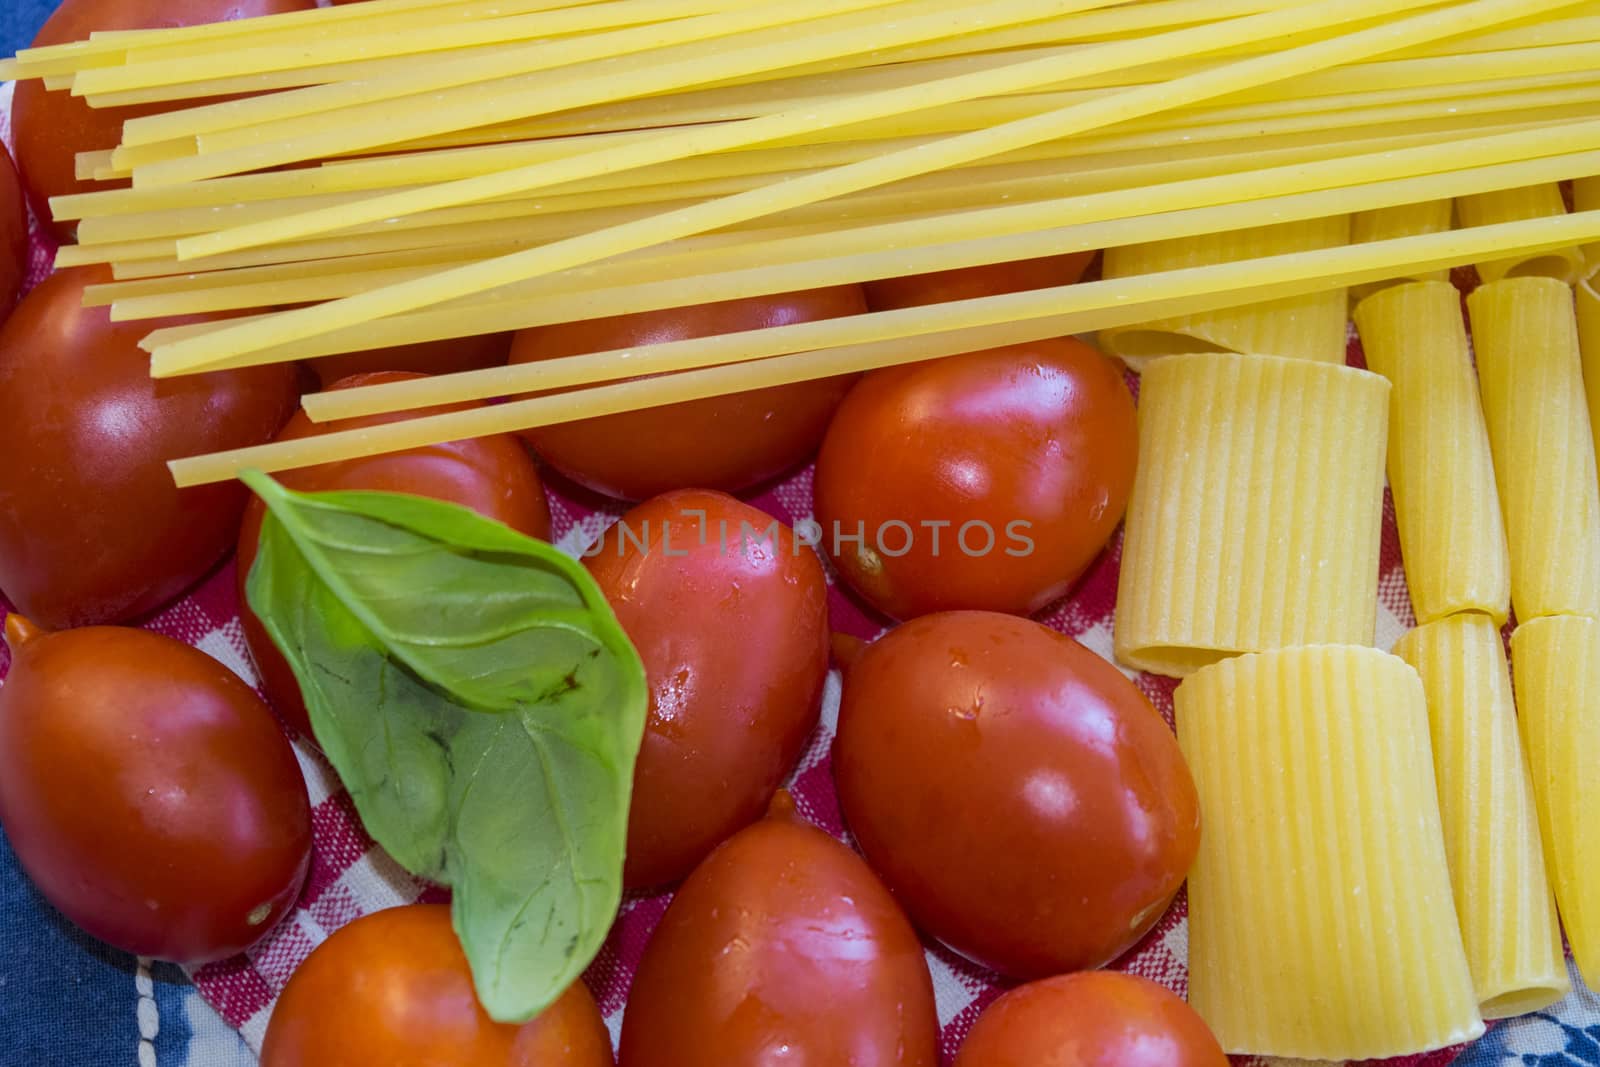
{"points": [[730, 615], [1022, 798]]}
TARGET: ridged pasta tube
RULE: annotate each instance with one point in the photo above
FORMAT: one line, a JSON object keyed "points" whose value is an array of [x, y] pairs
{"points": [[1321, 923], [1452, 537], [1257, 510], [1491, 822]]}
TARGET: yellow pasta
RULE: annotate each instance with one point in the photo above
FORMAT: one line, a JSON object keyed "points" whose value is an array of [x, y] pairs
{"points": [[1256, 511], [1321, 922], [1531, 379], [1304, 327], [953, 190], [739, 98], [1040, 314], [1130, 189], [1510, 205], [753, 42], [1403, 220], [1451, 534], [111, 47], [735, 363], [885, 104], [1558, 696], [159, 69], [743, 102], [1491, 821], [1336, 121], [302, 323], [1014, 177]]}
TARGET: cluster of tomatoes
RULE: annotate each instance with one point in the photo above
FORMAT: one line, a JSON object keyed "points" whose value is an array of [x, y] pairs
{"points": [[1012, 795]]}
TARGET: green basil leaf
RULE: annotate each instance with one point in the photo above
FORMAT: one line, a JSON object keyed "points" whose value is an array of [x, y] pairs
{"points": [[491, 643], [481, 703]]}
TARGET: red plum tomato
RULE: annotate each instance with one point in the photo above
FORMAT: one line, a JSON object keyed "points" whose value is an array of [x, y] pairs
{"points": [[723, 442], [148, 792], [393, 988], [968, 283], [987, 481], [1095, 1019], [493, 476], [730, 615], [1025, 802], [92, 529], [53, 127], [782, 947]]}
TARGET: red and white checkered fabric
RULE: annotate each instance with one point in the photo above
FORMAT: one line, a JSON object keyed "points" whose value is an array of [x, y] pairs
{"points": [[350, 876]]}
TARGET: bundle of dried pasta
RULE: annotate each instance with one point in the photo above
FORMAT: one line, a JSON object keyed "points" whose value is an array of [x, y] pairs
{"points": [[1303, 327], [1491, 821], [1558, 695], [1320, 915], [1451, 534], [1531, 377], [1509, 205], [1257, 510], [1401, 220]]}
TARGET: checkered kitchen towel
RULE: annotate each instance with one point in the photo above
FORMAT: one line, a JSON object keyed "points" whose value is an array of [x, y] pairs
{"points": [[64, 1000]]}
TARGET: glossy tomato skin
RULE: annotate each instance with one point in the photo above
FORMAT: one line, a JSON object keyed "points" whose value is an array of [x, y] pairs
{"points": [[1095, 1019], [968, 283], [782, 948], [425, 357], [53, 127], [92, 529], [393, 988], [13, 234], [727, 442], [148, 792], [732, 626], [1021, 797], [493, 476], [985, 481]]}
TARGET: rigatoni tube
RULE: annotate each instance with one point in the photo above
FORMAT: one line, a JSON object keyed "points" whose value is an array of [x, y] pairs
{"points": [[1491, 822], [1557, 663], [1531, 378], [1452, 537], [1257, 510], [1321, 922]]}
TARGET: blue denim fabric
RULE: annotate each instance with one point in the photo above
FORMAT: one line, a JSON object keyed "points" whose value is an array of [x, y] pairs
{"points": [[20, 20], [66, 1000]]}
